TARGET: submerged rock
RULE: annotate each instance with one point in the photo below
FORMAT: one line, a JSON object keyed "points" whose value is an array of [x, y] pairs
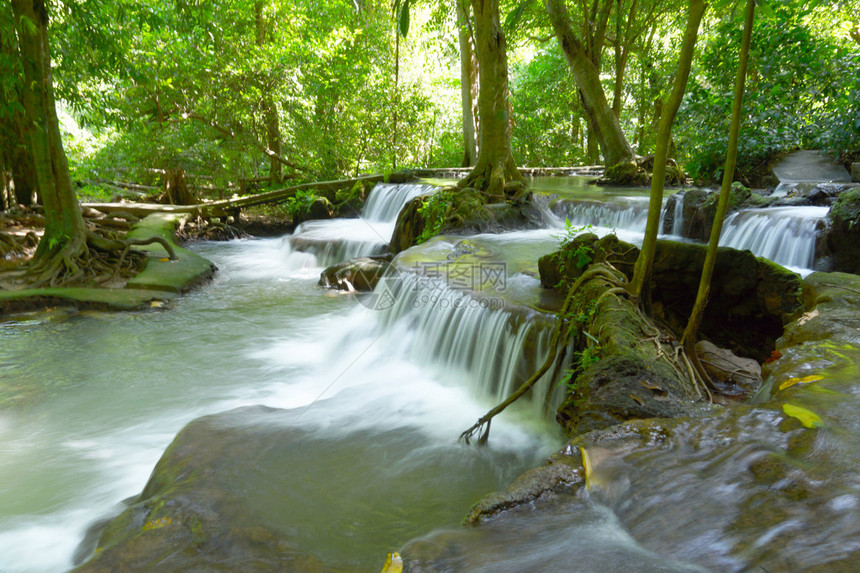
{"points": [[193, 513], [356, 275]]}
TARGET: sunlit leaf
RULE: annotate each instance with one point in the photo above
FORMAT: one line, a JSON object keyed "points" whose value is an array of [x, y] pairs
{"points": [[393, 563], [808, 418], [805, 380]]}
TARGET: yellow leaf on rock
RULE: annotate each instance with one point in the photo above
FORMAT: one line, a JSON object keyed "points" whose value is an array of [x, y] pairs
{"points": [[805, 380], [157, 523], [393, 563], [808, 418]]}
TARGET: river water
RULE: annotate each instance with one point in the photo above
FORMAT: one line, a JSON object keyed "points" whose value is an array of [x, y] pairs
{"points": [[89, 401]]}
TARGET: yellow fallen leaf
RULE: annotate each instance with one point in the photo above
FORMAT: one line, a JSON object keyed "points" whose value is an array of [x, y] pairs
{"points": [[805, 380], [589, 468], [393, 563], [156, 304], [164, 260], [157, 523], [808, 418]]}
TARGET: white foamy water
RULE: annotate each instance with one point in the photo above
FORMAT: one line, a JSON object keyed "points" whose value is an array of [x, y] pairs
{"points": [[785, 235]]}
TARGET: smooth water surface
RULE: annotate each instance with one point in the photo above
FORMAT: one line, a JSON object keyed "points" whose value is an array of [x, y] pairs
{"points": [[99, 396]]}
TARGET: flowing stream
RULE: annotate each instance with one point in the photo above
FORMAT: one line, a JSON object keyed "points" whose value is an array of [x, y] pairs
{"points": [[89, 401]]}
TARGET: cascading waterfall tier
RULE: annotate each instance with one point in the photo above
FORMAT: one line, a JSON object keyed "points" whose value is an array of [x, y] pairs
{"points": [[387, 199], [632, 216], [491, 345], [785, 235], [336, 240]]}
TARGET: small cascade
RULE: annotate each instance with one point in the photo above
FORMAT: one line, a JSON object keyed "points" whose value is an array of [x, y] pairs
{"points": [[387, 199], [678, 219], [631, 216], [336, 240], [490, 346], [785, 235]]}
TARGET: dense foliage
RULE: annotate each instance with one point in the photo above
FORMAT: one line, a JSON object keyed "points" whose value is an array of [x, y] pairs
{"points": [[803, 89], [351, 86]]}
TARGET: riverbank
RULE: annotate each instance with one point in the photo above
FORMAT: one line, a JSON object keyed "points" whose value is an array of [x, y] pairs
{"points": [[161, 280]]}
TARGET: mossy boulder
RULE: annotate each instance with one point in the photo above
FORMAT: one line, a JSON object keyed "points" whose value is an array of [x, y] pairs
{"points": [[843, 238], [751, 298], [455, 211], [625, 173]]}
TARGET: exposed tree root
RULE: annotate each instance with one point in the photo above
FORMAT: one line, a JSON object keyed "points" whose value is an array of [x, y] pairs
{"points": [[560, 337], [491, 179], [685, 368], [91, 259]]}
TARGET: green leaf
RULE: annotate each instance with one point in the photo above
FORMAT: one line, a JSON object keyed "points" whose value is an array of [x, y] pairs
{"points": [[403, 19]]}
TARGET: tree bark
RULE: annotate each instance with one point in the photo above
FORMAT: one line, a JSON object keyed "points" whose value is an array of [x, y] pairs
{"points": [[64, 225], [468, 86], [613, 142], [691, 331], [640, 284], [270, 111], [495, 164], [14, 138]]}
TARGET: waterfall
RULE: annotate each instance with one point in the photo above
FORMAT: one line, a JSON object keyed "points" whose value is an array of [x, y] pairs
{"points": [[336, 240], [785, 235], [625, 216], [493, 347], [678, 220], [387, 199]]}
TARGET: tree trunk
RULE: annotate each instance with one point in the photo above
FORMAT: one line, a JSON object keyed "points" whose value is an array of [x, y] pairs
{"points": [[587, 77], [495, 164], [64, 226], [14, 137], [468, 87], [270, 111], [176, 189], [639, 286], [692, 329]]}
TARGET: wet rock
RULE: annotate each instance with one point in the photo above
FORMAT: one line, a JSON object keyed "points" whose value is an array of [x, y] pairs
{"points": [[563, 473], [832, 301], [409, 226], [356, 275], [193, 514], [727, 369], [843, 238]]}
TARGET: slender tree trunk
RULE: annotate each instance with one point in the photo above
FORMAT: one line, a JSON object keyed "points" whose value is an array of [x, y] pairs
{"points": [[495, 164], [64, 225], [270, 111], [639, 287], [396, 97], [692, 329], [587, 78], [468, 87]]}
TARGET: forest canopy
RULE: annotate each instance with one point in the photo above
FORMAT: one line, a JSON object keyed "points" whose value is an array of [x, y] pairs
{"points": [[244, 89]]}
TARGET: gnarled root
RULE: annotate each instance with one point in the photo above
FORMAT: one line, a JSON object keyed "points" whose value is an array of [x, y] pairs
{"points": [[560, 338], [91, 258]]}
